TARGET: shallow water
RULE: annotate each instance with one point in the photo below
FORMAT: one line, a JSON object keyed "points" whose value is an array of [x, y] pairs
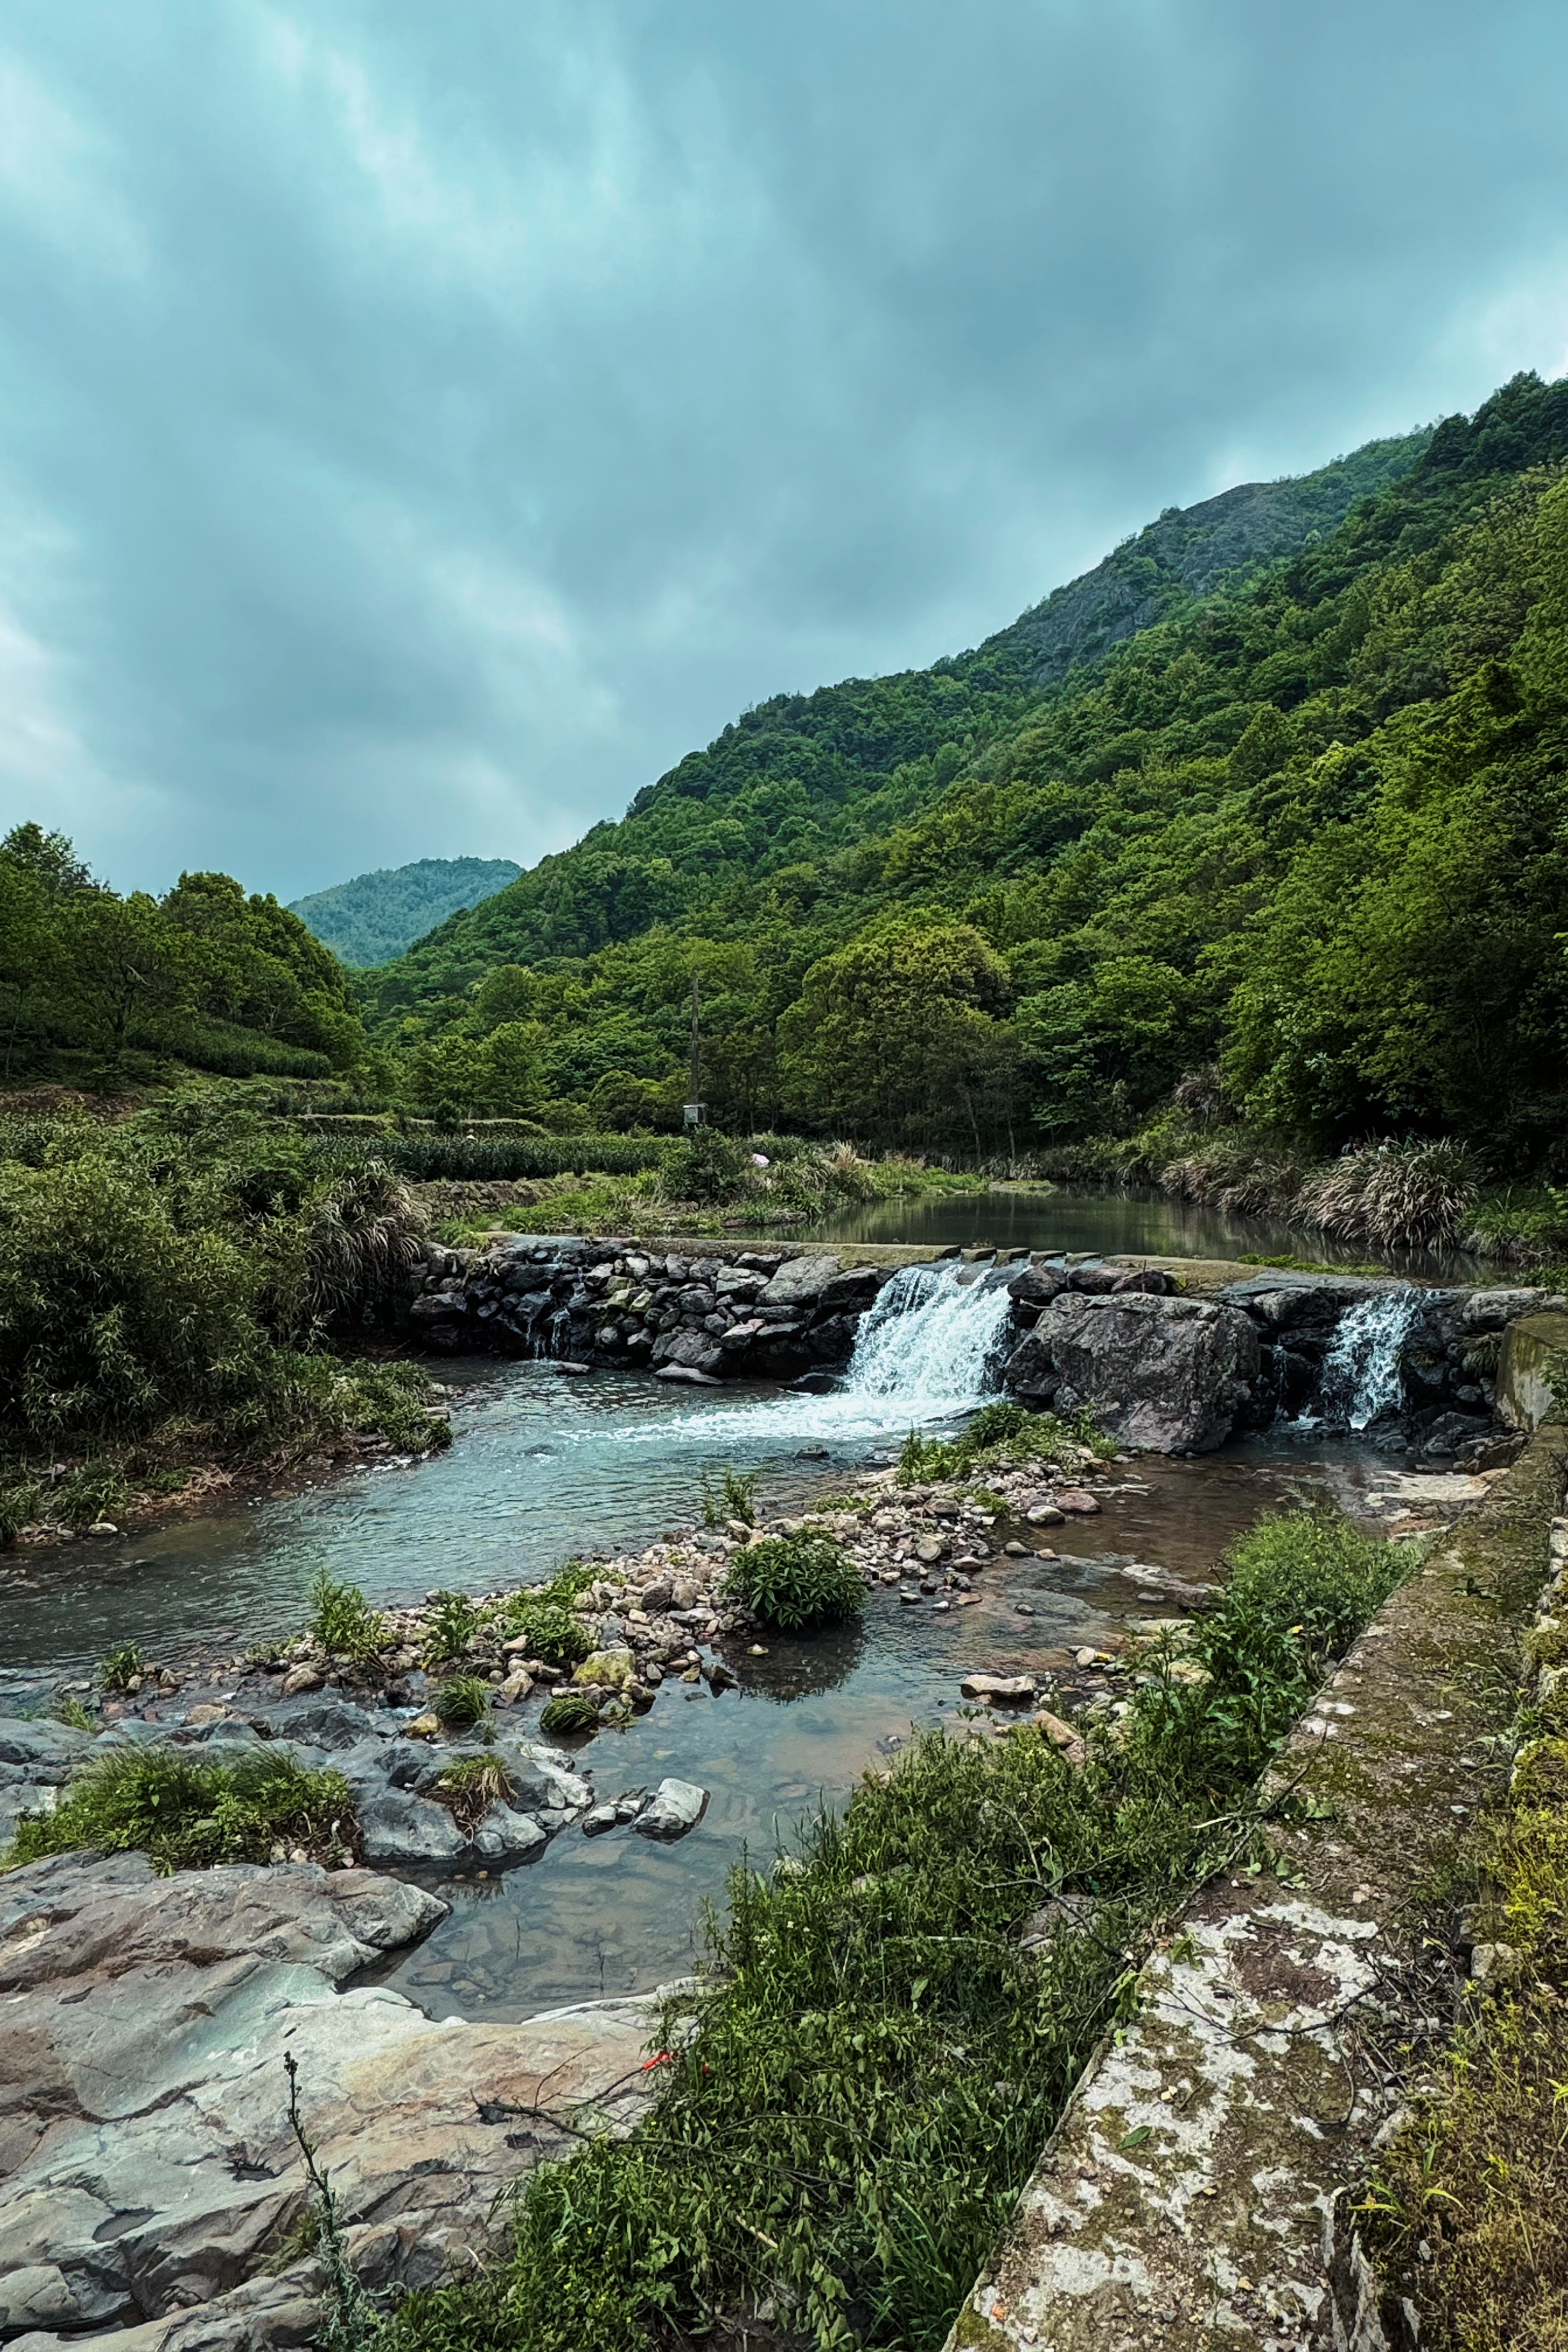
{"points": [[547, 1465], [619, 1913]]}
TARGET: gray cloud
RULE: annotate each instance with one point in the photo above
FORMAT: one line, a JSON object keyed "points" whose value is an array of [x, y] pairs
{"points": [[422, 425]]}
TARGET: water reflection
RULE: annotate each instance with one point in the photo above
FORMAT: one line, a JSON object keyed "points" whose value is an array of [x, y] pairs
{"points": [[1119, 1224]]}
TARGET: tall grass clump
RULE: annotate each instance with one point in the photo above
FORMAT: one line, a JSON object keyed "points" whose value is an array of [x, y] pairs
{"points": [[796, 1582], [1400, 1195], [187, 1813], [343, 1621], [734, 1497], [878, 2063]]}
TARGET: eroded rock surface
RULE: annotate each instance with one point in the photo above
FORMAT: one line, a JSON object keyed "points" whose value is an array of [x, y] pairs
{"points": [[144, 2134]]}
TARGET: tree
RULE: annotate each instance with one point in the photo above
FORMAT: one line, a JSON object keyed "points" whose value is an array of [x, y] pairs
{"points": [[899, 1036]]}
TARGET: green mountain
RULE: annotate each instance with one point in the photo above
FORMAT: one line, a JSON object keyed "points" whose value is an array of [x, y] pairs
{"points": [[1275, 801], [378, 916]]}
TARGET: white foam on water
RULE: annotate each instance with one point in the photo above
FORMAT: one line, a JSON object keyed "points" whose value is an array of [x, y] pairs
{"points": [[930, 1347]]}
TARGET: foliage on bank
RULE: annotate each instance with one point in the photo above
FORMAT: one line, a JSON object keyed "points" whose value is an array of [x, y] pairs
{"points": [[179, 1280], [878, 2060]]}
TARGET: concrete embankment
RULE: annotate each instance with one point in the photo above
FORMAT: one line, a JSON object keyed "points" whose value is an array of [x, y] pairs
{"points": [[1198, 2191]]}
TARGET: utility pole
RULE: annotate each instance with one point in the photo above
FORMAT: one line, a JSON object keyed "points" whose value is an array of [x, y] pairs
{"points": [[693, 1108]]}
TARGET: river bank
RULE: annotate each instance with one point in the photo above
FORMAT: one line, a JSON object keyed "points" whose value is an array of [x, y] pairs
{"points": [[1004, 1600]]}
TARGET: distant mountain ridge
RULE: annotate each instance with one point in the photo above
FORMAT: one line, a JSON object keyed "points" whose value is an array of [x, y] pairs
{"points": [[379, 916]]}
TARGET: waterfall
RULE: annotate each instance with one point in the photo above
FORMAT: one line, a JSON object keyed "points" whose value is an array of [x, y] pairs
{"points": [[1361, 1371], [931, 1339]]}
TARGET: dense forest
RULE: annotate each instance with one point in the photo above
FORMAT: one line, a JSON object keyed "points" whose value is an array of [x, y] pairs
{"points": [[1290, 856], [378, 916]]}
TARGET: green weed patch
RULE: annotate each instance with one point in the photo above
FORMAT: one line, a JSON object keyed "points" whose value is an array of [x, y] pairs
{"points": [[187, 1813]]}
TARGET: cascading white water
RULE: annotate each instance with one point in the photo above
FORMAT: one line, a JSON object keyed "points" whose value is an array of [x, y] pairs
{"points": [[931, 1347], [1361, 1371], [930, 1339]]}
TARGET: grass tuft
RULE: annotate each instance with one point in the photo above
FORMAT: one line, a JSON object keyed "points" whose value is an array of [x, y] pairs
{"points": [[569, 1711], [187, 1813], [462, 1702], [343, 1621]]}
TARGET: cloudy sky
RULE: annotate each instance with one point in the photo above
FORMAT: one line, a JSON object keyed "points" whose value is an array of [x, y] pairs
{"points": [[422, 425]]}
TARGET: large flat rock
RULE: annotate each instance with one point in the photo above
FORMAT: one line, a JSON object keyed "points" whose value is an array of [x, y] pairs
{"points": [[144, 2137]]}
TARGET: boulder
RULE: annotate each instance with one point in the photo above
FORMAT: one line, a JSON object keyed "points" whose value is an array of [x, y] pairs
{"points": [[321, 1722], [1170, 1375], [610, 1669], [798, 1283], [1014, 1690], [399, 1828], [674, 1807], [506, 1836], [1034, 1288]]}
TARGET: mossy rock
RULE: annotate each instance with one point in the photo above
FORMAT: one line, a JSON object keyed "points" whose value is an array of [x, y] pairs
{"points": [[609, 1669]]}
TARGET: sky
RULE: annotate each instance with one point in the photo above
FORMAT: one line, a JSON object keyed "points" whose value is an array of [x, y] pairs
{"points": [[419, 427]]}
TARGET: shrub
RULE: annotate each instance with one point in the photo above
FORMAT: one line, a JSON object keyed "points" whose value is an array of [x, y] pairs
{"points": [[704, 1167], [185, 1813], [552, 1632], [462, 1702], [342, 1620], [794, 1582], [567, 1711]]}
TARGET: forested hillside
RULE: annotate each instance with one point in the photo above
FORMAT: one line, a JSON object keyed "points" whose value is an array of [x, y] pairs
{"points": [[377, 916], [803, 776], [1303, 835], [1292, 857]]}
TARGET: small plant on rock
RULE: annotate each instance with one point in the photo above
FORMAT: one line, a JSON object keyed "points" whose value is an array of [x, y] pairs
{"points": [[450, 1626], [570, 1710], [117, 1672], [794, 1582], [342, 1620], [69, 1710], [470, 1787], [461, 1703]]}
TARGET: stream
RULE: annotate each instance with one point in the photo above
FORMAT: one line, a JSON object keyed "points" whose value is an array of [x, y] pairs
{"points": [[547, 1466]]}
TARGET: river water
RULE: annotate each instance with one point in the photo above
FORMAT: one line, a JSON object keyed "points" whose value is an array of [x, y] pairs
{"points": [[1117, 1223], [548, 1465]]}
